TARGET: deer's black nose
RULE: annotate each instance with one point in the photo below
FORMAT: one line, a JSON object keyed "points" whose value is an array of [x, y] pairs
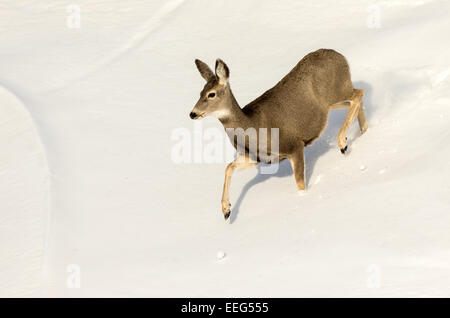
{"points": [[192, 115]]}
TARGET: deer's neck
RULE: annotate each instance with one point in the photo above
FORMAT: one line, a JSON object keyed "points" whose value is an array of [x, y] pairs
{"points": [[234, 117]]}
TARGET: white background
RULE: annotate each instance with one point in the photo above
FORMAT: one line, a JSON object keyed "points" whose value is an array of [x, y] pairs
{"points": [[105, 98]]}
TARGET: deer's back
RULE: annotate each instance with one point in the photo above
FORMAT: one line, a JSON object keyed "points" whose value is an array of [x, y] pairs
{"points": [[298, 105]]}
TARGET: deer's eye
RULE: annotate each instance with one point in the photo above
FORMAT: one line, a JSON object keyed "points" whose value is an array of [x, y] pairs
{"points": [[211, 95]]}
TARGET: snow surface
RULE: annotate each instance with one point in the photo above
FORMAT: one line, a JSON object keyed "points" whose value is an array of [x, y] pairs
{"points": [[126, 220]]}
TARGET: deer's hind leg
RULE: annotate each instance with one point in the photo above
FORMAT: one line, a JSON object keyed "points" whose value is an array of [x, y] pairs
{"points": [[297, 160], [355, 108], [240, 163]]}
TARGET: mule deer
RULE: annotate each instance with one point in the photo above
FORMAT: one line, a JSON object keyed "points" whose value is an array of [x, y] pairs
{"points": [[298, 106]]}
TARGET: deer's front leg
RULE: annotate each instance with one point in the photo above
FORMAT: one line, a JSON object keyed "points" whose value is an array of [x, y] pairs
{"points": [[354, 110], [297, 160], [240, 163]]}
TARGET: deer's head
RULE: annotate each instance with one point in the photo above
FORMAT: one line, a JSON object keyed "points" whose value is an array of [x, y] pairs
{"points": [[215, 98]]}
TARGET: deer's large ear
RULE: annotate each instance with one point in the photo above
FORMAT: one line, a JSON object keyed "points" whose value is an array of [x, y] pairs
{"points": [[204, 70], [222, 72]]}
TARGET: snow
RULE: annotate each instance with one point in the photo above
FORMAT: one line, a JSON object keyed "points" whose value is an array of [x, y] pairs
{"points": [[124, 219]]}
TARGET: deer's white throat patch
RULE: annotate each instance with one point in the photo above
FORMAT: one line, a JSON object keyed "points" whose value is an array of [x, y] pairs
{"points": [[220, 113]]}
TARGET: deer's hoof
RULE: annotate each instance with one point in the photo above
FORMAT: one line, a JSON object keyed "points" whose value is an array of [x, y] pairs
{"points": [[226, 209], [342, 144]]}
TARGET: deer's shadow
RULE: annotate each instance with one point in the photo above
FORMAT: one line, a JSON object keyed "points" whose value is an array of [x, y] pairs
{"points": [[313, 152]]}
